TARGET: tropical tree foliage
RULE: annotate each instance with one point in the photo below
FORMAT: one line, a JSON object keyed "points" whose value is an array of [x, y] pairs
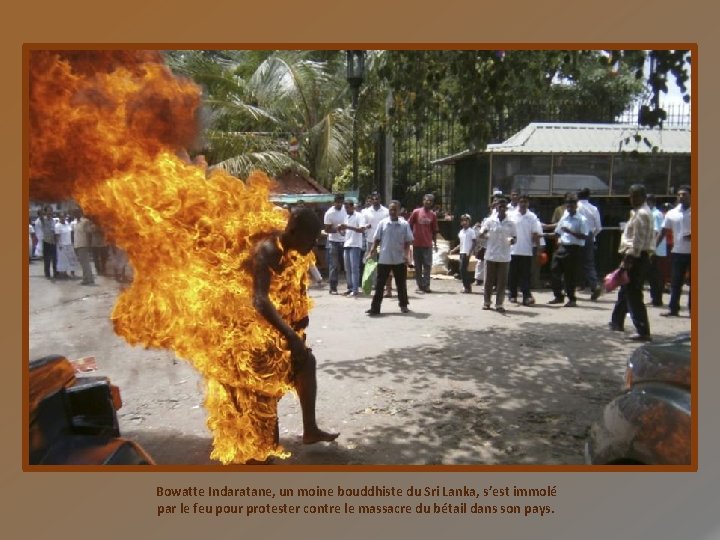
{"points": [[464, 99], [257, 101], [492, 93], [657, 66]]}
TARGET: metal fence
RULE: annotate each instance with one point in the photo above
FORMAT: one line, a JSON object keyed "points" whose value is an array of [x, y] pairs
{"points": [[415, 146], [678, 115]]}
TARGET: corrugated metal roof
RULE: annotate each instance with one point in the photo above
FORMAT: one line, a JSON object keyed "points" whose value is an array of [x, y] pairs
{"points": [[313, 198], [595, 138], [291, 182], [308, 198], [559, 138]]}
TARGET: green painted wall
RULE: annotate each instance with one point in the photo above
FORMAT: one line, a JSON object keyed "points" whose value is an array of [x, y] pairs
{"points": [[470, 193]]}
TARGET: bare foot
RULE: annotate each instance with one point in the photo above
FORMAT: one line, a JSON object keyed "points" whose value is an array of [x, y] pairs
{"points": [[318, 435]]}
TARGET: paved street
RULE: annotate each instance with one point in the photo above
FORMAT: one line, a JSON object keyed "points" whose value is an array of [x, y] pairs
{"points": [[447, 383]]}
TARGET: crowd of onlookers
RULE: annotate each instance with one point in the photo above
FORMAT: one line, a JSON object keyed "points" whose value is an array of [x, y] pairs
{"points": [[72, 247], [505, 244]]}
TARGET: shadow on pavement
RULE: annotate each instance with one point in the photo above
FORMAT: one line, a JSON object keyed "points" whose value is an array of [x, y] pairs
{"points": [[469, 398], [173, 447]]}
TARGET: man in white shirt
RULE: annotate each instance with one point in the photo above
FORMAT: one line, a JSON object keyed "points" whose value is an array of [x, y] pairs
{"points": [[514, 203], [480, 246], [334, 218], [47, 229], [67, 260], [37, 226], [572, 230], [466, 247], [679, 222], [31, 232], [529, 230], [499, 230], [82, 239], [374, 213], [657, 261], [591, 214], [354, 228]]}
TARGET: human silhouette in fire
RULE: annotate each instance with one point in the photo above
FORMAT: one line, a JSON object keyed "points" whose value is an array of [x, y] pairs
{"points": [[299, 235]]}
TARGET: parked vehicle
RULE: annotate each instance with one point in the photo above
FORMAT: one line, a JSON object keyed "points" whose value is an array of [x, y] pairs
{"points": [[650, 423], [73, 420]]}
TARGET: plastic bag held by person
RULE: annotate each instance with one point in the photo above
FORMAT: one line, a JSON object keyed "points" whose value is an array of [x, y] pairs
{"points": [[615, 279], [368, 275]]}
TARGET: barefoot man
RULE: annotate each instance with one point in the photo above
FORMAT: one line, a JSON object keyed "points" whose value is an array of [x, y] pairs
{"points": [[269, 273]]}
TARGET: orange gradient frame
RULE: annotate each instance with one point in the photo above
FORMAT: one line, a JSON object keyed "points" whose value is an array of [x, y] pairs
{"points": [[692, 467]]}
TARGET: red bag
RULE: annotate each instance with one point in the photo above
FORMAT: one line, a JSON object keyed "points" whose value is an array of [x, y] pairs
{"points": [[615, 279]]}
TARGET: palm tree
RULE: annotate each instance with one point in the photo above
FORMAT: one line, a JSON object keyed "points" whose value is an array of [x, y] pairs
{"points": [[255, 101]]}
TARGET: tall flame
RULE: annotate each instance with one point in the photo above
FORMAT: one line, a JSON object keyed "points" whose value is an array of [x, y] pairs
{"points": [[105, 127]]}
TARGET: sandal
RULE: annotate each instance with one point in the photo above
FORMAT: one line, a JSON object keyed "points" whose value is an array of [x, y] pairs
{"points": [[486, 306]]}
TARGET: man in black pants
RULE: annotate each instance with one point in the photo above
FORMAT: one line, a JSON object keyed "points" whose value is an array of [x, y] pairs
{"points": [[529, 230], [49, 243], [679, 221], [392, 241], [572, 230], [637, 244]]}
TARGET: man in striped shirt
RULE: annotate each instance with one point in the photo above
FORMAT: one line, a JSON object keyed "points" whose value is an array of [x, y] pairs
{"points": [[637, 244]]}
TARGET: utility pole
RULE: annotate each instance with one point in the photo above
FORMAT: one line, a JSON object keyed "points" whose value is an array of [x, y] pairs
{"points": [[355, 75], [388, 181]]}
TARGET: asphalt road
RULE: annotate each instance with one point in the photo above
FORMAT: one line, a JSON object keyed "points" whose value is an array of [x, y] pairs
{"points": [[446, 383]]}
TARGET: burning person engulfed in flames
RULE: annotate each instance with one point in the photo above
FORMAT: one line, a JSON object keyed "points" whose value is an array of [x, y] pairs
{"points": [[219, 274]]}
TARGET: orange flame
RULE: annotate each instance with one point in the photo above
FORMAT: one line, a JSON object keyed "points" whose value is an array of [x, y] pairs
{"points": [[105, 127]]}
